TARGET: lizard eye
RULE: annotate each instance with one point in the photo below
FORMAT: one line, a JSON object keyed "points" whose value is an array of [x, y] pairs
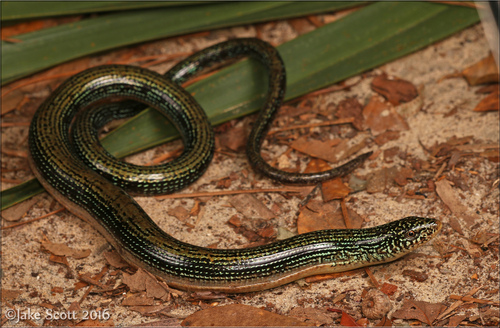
{"points": [[411, 235]]}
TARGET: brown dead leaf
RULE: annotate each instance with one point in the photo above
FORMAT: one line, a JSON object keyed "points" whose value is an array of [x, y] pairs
{"points": [[140, 282], [317, 148], [235, 221], [403, 175], [16, 212], [381, 117], [317, 165], [488, 89], [455, 225], [301, 25], [59, 259], [386, 137], [450, 197], [391, 153], [347, 321], [137, 281], [139, 299], [318, 215], [484, 71], [64, 250], [381, 180], [343, 150], [489, 103], [267, 232], [394, 90], [239, 315], [312, 316], [421, 311], [241, 228], [115, 259], [456, 320], [334, 189], [155, 289], [251, 207], [9, 294], [195, 210], [388, 289], [351, 107], [385, 322], [234, 139], [224, 183], [179, 212], [416, 275]]}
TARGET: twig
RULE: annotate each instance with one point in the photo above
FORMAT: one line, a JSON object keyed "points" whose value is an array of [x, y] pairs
{"points": [[345, 214], [35, 219], [309, 196], [372, 277], [312, 125], [230, 192], [472, 299], [440, 171], [9, 124], [456, 304]]}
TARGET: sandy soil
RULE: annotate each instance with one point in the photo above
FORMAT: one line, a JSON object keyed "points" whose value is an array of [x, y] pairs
{"points": [[44, 284]]}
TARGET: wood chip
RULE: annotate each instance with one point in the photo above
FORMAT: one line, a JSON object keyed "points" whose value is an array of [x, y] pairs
{"points": [[456, 320], [416, 275], [351, 107], [484, 71], [388, 289], [395, 90], [489, 103], [381, 117]]}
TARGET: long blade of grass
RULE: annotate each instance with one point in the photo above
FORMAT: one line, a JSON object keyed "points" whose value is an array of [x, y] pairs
{"points": [[45, 48], [363, 40], [22, 10]]}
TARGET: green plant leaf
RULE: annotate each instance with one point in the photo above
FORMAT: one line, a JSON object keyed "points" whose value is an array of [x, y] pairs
{"points": [[48, 47], [341, 49], [363, 40], [22, 10]]}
